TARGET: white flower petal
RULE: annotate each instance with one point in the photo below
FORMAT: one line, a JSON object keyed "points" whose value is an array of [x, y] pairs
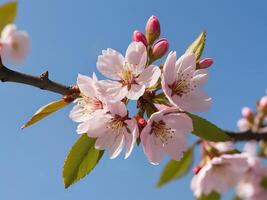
{"points": [[130, 138], [117, 146], [185, 61], [136, 54], [200, 77], [136, 91], [149, 76], [110, 64], [117, 108], [87, 85], [169, 72], [112, 91]]}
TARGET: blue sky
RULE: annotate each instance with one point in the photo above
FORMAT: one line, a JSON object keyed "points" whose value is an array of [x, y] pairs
{"points": [[67, 37]]}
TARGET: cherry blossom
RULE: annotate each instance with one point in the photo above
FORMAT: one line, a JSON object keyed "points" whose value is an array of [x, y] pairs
{"points": [[219, 174], [15, 45], [249, 187], [90, 103], [166, 131], [182, 83], [114, 130], [130, 76]]}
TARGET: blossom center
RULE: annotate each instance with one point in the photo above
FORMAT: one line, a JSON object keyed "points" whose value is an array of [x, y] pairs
{"points": [[180, 87], [91, 103], [162, 132], [127, 76]]}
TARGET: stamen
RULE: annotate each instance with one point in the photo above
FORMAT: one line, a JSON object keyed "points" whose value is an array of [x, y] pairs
{"points": [[162, 132]]}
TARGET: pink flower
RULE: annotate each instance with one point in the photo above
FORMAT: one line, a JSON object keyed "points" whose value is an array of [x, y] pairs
{"points": [[219, 174], [249, 187], [114, 130], [90, 103], [182, 83], [130, 74], [166, 132], [15, 44]]}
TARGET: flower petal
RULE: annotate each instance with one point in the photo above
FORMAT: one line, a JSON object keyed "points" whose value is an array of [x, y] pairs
{"points": [[110, 64], [149, 76], [86, 85], [169, 72], [111, 90], [117, 146], [185, 61], [130, 138], [136, 54], [176, 145], [117, 108], [200, 77], [136, 91]]}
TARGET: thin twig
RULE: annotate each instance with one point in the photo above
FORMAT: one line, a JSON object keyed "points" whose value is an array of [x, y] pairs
{"points": [[43, 82]]}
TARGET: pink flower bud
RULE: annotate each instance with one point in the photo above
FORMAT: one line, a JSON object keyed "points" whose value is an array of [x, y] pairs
{"points": [[142, 122], [205, 63], [152, 29], [263, 103], [197, 169], [160, 48], [247, 113], [139, 37]]}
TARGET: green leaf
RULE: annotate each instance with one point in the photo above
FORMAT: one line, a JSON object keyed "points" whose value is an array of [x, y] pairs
{"points": [[150, 109], [264, 182], [82, 159], [176, 169], [45, 111], [208, 131], [198, 45], [8, 14], [211, 196], [161, 99]]}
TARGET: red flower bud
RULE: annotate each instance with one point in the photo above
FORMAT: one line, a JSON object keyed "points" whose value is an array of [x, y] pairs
{"points": [[160, 48], [152, 29], [139, 37], [197, 169], [205, 63], [141, 121]]}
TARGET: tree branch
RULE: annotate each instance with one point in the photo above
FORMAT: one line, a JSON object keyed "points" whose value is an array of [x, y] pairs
{"points": [[43, 82], [248, 135]]}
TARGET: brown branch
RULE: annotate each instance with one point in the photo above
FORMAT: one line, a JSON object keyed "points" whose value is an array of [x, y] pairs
{"points": [[248, 135], [43, 82]]}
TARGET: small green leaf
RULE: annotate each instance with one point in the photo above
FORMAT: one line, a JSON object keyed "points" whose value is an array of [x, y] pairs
{"points": [[82, 159], [161, 99], [150, 109], [208, 131], [236, 198], [8, 12], [264, 182], [211, 196], [45, 111], [198, 45], [176, 169]]}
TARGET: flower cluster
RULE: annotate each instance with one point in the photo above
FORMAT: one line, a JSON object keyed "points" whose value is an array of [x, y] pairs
{"points": [[14, 44], [164, 93], [222, 167]]}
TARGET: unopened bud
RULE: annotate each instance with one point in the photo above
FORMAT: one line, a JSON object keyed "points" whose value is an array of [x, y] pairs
{"points": [[205, 63], [139, 37], [247, 113], [152, 29], [160, 48], [141, 121], [197, 169], [263, 104]]}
